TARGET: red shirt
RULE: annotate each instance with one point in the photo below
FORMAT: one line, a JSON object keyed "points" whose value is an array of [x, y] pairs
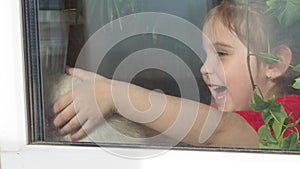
{"points": [[291, 103]]}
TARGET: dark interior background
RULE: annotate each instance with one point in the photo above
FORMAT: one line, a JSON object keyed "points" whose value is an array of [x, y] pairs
{"points": [[191, 10]]}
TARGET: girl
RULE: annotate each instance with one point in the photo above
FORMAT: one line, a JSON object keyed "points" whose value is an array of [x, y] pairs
{"points": [[226, 43]]}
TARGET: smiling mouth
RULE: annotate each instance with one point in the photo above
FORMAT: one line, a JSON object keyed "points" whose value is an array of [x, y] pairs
{"points": [[219, 93]]}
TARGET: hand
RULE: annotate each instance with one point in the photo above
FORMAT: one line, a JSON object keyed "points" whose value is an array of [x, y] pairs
{"points": [[82, 108]]}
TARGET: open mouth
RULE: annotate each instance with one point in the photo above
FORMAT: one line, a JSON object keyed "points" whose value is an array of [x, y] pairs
{"points": [[219, 93]]}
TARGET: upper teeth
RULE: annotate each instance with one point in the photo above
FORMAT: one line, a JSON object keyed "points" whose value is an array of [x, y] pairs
{"points": [[215, 87], [221, 97]]}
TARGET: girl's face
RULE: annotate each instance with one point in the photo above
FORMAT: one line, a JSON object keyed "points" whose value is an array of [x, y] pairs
{"points": [[225, 70]]}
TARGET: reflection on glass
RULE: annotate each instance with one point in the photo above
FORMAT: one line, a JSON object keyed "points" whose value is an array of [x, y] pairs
{"points": [[65, 26], [243, 72]]}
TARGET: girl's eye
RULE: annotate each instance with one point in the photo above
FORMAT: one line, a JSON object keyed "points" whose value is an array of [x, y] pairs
{"points": [[220, 54]]}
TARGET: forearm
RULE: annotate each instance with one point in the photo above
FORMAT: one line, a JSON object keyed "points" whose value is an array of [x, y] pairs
{"points": [[176, 117], [199, 123], [181, 119]]}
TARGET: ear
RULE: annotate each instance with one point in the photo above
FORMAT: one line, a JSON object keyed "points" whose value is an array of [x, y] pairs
{"points": [[285, 55]]}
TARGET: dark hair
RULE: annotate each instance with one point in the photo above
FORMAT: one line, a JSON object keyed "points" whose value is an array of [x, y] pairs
{"points": [[232, 14]]}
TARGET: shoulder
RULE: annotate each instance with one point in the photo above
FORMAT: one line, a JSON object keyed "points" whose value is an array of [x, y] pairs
{"points": [[234, 131]]}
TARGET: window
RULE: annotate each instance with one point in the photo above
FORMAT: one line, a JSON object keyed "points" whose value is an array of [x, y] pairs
{"points": [[23, 144], [62, 31], [155, 45], [54, 33]]}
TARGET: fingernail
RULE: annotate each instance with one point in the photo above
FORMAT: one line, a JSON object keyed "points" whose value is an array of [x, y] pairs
{"points": [[67, 68], [73, 139]]}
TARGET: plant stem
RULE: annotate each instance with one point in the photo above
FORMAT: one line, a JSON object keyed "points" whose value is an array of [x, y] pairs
{"points": [[276, 119], [295, 128], [276, 60], [248, 47], [118, 14]]}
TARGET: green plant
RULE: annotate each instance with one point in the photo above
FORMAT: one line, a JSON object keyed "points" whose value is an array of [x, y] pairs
{"points": [[106, 10], [277, 124], [278, 131], [286, 11]]}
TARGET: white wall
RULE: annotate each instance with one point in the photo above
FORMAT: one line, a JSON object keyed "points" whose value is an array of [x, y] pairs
{"points": [[12, 113]]}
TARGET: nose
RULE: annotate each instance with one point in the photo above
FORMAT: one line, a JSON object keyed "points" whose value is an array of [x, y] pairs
{"points": [[203, 69], [204, 73]]}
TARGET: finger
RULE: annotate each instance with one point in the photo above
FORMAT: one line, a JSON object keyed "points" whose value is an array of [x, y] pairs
{"points": [[66, 115], [79, 73], [72, 126], [62, 102], [83, 131]]}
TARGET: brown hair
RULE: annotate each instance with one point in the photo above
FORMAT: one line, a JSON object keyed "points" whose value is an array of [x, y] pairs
{"points": [[233, 13]]}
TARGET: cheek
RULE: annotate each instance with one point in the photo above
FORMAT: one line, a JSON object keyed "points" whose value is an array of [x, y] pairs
{"points": [[238, 80], [236, 72], [239, 96]]}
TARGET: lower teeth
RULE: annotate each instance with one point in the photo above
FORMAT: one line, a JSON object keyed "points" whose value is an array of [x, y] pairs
{"points": [[220, 97]]}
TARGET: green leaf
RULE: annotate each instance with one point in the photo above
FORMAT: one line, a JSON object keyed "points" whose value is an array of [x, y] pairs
{"points": [[263, 145], [291, 142], [291, 14], [277, 128], [286, 11], [286, 142], [267, 117], [296, 85], [268, 57], [273, 105], [297, 68], [295, 144], [258, 104], [265, 134], [280, 116], [275, 7]]}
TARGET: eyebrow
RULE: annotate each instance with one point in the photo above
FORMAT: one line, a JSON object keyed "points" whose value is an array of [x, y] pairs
{"points": [[221, 44]]}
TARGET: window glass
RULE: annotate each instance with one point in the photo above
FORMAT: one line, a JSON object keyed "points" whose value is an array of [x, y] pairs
{"points": [[66, 26], [172, 73]]}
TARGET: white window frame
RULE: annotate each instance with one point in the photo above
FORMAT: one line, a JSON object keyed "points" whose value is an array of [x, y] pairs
{"points": [[16, 153]]}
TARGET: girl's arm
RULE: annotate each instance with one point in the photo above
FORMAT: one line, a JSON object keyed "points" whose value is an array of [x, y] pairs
{"points": [[181, 118], [224, 128]]}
